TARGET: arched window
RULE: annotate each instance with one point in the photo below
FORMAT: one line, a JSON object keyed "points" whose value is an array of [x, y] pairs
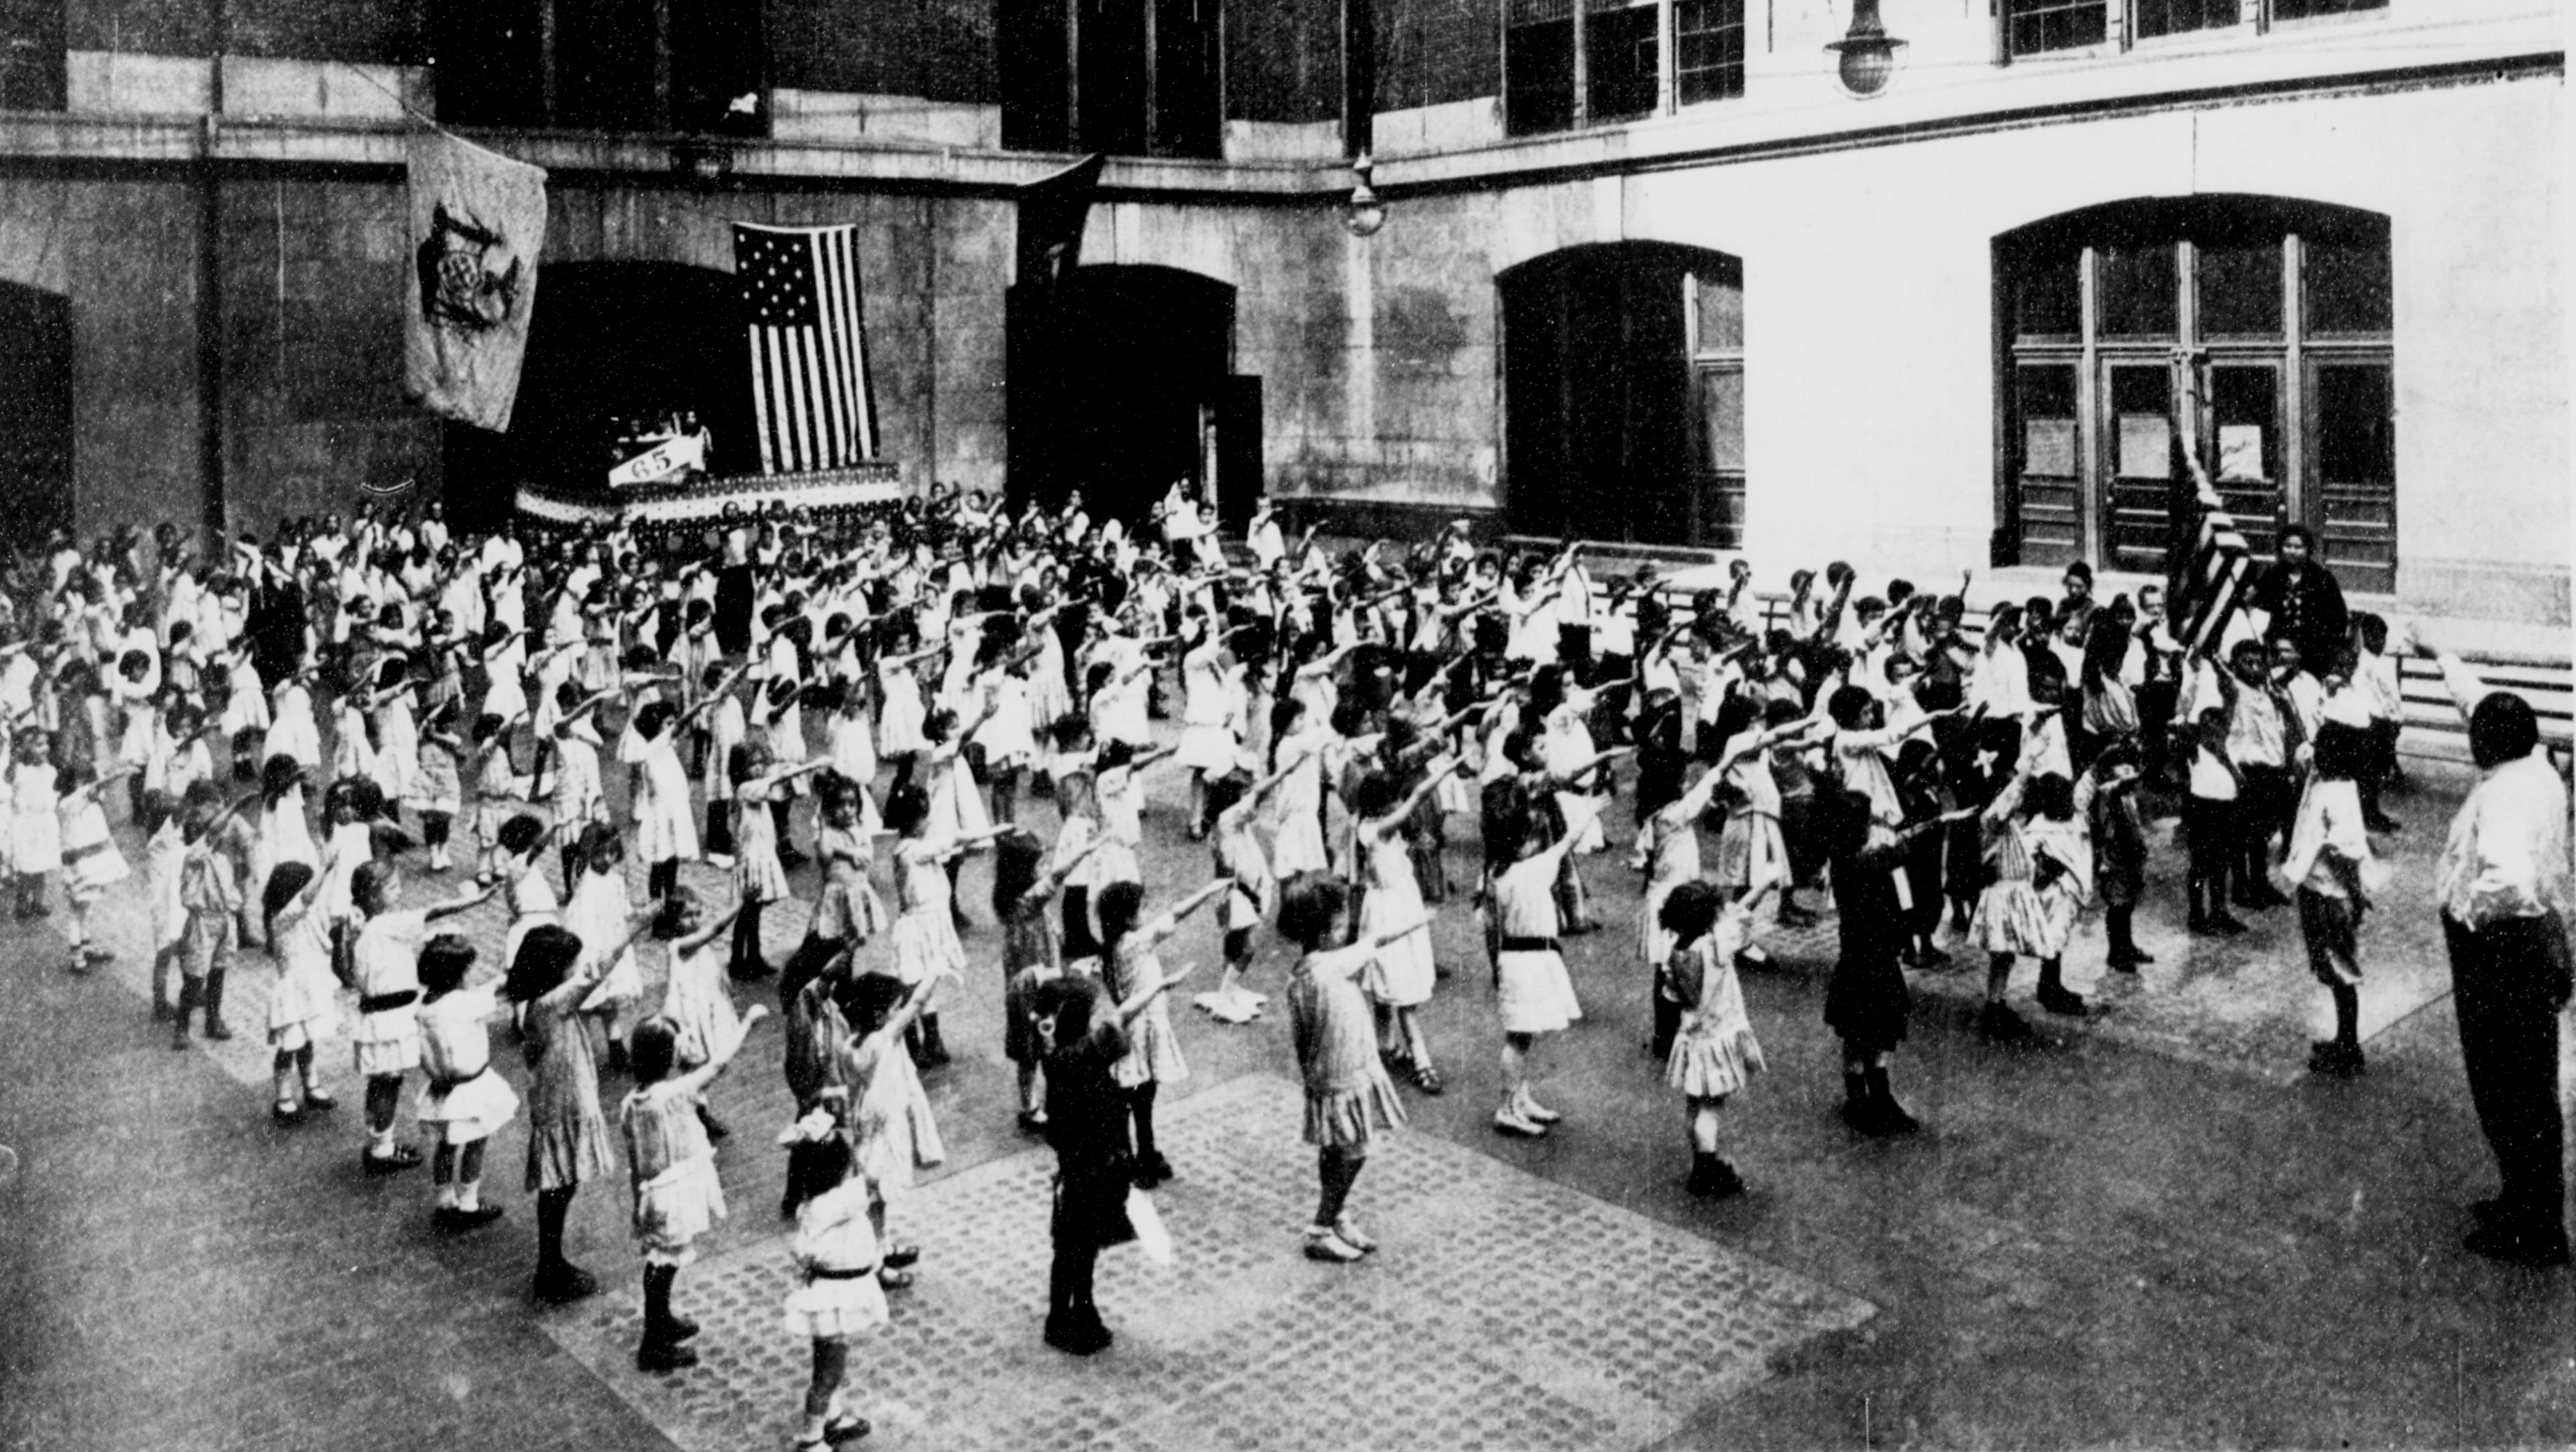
{"points": [[1623, 394], [2256, 331]]}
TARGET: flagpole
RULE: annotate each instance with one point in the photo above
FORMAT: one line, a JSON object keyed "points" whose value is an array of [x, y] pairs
{"points": [[2181, 542]]}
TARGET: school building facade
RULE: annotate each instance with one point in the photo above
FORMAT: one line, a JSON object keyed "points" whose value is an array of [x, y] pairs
{"points": [[1926, 284]]}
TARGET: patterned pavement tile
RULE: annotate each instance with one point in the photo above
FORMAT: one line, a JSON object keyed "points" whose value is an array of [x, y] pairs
{"points": [[1505, 1311]]}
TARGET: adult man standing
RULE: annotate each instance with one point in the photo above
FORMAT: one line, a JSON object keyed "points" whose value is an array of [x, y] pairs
{"points": [[2301, 601], [2503, 885]]}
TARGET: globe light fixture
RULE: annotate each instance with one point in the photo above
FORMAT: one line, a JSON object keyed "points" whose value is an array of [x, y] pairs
{"points": [[1867, 52], [1363, 214]]}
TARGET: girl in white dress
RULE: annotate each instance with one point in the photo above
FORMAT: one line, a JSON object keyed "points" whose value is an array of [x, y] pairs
{"points": [[1400, 977], [759, 879], [890, 1119], [465, 1100], [91, 863], [925, 924], [35, 829], [1210, 686], [304, 1005], [1298, 845], [678, 1196], [666, 832], [837, 1262]]}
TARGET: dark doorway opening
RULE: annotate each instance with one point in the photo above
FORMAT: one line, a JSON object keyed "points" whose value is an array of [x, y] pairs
{"points": [[1120, 385], [35, 414], [609, 341], [1623, 371]]}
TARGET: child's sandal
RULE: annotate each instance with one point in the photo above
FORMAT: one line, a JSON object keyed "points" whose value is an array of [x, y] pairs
{"points": [[894, 1278], [846, 1428]]}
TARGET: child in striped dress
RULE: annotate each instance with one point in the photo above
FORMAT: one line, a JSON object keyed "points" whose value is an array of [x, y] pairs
{"points": [[1713, 1052], [1349, 1099]]}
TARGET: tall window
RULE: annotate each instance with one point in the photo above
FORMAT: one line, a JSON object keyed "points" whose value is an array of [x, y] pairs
{"points": [[1128, 77], [1569, 63], [1623, 394], [2284, 314], [609, 65]]}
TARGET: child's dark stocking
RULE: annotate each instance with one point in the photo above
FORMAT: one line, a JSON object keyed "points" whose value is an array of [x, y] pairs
{"points": [[2347, 1012], [2120, 922], [214, 1001], [823, 1394], [933, 1052], [384, 1097], [314, 1097], [2053, 994], [1337, 1168], [1073, 1322], [747, 960], [189, 989], [1151, 1167], [570, 856], [661, 1348], [719, 833], [161, 1005], [778, 823], [442, 1176], [1856, 1100], [288, 1104], [433, 835], [662, 878], [557, 1279]]}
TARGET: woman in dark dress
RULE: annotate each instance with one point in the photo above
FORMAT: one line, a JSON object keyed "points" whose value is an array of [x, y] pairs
{"points": [[1081, 1036]]}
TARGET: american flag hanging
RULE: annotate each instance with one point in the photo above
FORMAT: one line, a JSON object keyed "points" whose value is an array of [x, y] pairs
{"points": [[2214, 585], [810, 398]]}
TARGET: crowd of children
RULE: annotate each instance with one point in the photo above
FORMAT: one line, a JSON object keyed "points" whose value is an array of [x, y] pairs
{"points": [[1332, 714]]}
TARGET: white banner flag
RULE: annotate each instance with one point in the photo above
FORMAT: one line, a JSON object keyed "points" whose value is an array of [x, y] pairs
{"points": [[477, 220]]}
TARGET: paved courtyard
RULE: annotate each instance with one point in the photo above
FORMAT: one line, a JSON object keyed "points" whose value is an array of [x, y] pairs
{"points": [[2150, 1228]]}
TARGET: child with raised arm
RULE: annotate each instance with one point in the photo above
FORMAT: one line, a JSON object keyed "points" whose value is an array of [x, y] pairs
{"points": [[1713, 1051], [1084, 1034], [2332, 873], [305, 1003], [1251, 890], [837, 1261], [385, 970], [1532, 989], [465, 1101], [1400, 978], [1349, 1099], [672, 1168], [891, 1126], [1025, 883], [1129, 961]]}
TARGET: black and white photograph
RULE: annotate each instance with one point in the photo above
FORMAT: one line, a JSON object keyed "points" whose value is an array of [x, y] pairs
{"points": [[1285, 725]]}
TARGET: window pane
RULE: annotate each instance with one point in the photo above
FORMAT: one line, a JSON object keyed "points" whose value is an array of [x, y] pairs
{"points": [[2240, 289], [1538, 77], [1722, 417], [1621, 51], [2348, 286], [1720, 296], [2138, 290], [2048, 294], [2245, 403], [2303, 9], [1709, 49], [2173, 17], [2037, 26], [2142, 406], [2353, 435]]}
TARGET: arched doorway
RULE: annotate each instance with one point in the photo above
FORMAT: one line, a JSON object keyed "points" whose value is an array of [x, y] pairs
{"points": [[1120, 385], [35, 414], [1623, 394], [609, 340], [2256, 332]]}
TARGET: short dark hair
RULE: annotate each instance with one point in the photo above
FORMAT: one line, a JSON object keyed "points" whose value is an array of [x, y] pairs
{"points": [[1310, 903], [444, 962], [1690, 910], [652, 1049], [2502, 729]]}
